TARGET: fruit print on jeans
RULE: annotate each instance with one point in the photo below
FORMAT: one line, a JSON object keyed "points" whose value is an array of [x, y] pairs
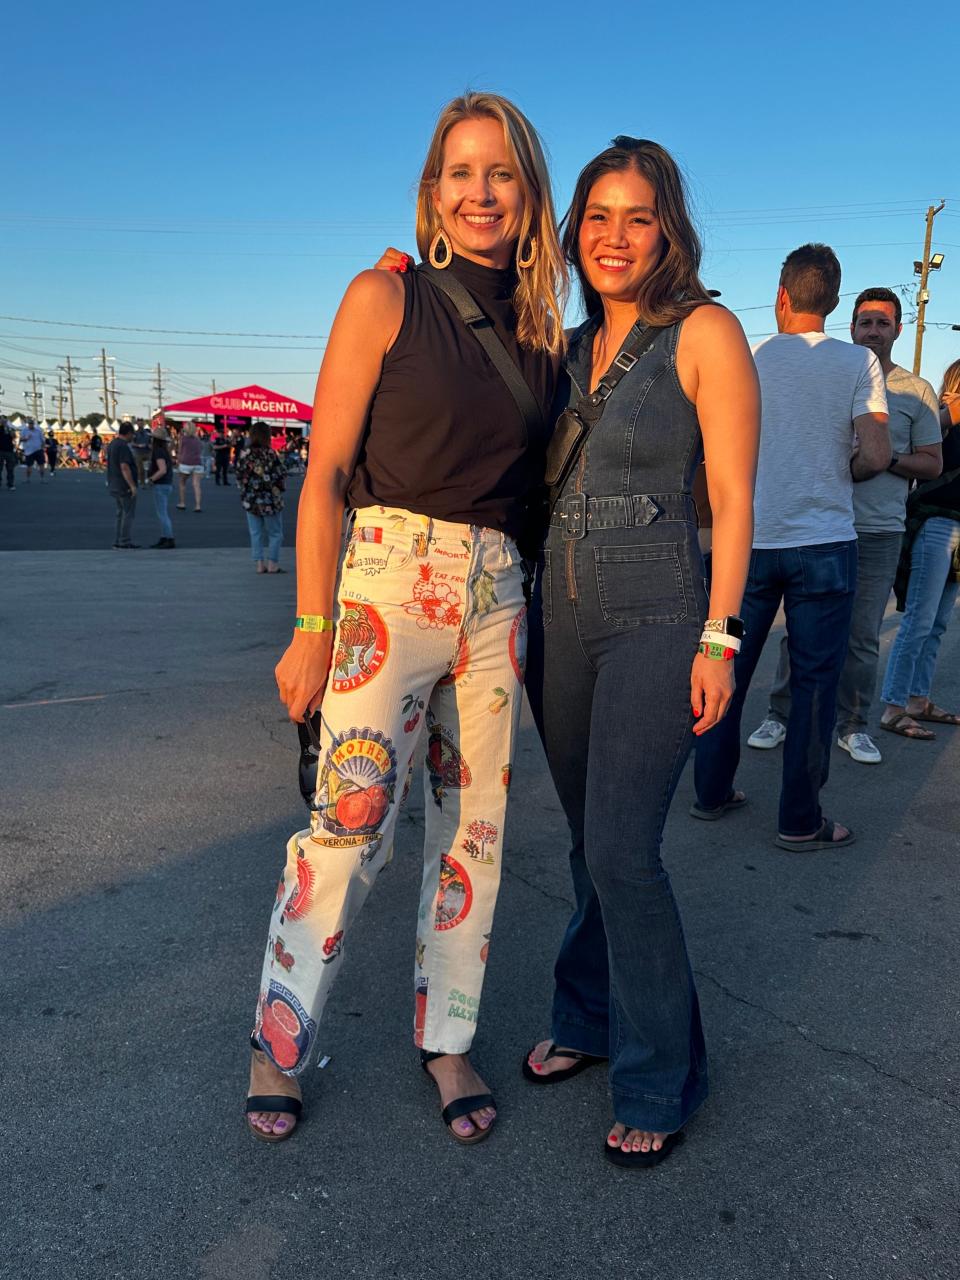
{"points": [[421, 646]]}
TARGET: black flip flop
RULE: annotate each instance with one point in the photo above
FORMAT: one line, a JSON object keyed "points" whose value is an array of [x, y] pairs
{"points": [[461, 1107], [643, 1159], [822, 840], [583, 1061], [711, 815]]}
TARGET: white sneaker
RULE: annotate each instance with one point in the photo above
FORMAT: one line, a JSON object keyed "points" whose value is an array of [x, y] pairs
{"points": [[861, 747], [770, 734]]}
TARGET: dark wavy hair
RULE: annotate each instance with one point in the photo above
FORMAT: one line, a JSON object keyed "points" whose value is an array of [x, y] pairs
{"points": [[673, 288]]}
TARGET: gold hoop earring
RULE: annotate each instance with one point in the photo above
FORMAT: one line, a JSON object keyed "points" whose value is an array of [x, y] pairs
{"points": [[527, 255], [441, 251]]}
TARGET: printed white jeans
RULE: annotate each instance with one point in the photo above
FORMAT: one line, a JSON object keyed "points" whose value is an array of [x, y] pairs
{"points": [[431, 633]]}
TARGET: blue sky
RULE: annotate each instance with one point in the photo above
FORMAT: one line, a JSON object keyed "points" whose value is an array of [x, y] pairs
{"points": [[228, 168]]}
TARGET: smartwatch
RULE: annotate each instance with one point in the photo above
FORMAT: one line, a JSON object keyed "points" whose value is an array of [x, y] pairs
{"points": [[729, 626]]}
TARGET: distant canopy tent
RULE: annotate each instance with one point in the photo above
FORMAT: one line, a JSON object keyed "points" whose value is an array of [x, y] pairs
{"points": [[245, 402]]}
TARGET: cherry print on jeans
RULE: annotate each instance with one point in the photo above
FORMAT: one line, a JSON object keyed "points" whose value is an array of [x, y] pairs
{"points": [[411, 706], [455, 896], [435, 603], [332, 947], [362, 646], [285, 1028], [356, 787], [480, 835], [518, 644], [448, 769]]}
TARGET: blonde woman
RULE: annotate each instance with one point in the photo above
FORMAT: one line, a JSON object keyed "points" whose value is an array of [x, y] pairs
{"points": [[189, 463], [415, 620]]}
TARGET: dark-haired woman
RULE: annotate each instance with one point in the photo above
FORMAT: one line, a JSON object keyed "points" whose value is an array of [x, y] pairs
{"points": [[415, 621], [634, 655], [160, 480], [261, 479]]}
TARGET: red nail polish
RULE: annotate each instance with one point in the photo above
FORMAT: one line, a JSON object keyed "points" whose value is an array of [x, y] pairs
{"points": [[698, 714], [394, 269]]}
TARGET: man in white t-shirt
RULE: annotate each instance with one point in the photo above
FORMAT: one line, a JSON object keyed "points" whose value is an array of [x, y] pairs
{"points": [[823, 425], [879, 507]]}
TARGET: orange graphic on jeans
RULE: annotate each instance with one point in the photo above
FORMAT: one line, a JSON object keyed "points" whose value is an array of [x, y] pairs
{"points": [[362, 646], [435, 603]]}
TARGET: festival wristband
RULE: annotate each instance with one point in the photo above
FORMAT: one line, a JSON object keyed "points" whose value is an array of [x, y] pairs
{"points": [[722, 639], [313, 622], [717, 651]]}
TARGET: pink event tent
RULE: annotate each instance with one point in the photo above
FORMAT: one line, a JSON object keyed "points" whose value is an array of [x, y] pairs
{"points": [[245, 402]]}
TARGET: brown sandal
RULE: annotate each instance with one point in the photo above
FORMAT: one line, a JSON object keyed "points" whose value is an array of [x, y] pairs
{"points": [[934, 715], [907, 727]]}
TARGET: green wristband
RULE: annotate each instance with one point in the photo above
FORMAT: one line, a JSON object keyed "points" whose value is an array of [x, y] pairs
{"points": [[313, 622]]}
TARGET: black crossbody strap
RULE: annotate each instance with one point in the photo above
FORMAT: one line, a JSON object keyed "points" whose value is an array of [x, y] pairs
{"points": [[481, 328], [565, 448]]}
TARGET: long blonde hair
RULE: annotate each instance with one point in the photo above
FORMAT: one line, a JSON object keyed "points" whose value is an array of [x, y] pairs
{"points": [[951, 380], [542, 289]]}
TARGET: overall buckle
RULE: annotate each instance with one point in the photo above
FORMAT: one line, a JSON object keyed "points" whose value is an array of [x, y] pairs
{"points": [[574, 516]]}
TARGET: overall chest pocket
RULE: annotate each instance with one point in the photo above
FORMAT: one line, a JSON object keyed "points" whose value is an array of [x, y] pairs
{"points": [[642, 584]]}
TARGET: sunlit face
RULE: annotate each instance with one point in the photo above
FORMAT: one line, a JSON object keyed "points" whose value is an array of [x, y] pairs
{"points": [[478, 196], [620, 240], [875, 326]]}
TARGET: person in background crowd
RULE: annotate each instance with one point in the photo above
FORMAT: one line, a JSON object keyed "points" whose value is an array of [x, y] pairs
{"points": [[261, 479], [94, 450], [221, 457], [8, 454], [140, 444], [932, 552], [31, 446], [160, 479], [824, 424], [189, 463], [206, 454], [51, 448], [238, 442], [122, 484], [879, 507]]}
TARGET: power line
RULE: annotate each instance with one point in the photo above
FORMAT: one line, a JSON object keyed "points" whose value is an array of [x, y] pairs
{"points": [[126, 328]]}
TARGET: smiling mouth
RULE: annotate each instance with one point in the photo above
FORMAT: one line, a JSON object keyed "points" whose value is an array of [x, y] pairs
{"points": [[481, 220], [613, 264]]}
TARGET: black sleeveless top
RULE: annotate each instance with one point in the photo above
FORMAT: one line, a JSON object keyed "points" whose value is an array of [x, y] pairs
{"points": [[444, 436]]}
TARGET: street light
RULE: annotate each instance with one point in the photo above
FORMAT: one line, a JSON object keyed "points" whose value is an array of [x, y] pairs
{"points": [[936, 261]]}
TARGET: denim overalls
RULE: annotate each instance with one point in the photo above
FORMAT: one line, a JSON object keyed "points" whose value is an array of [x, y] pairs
{"points": [[624, 601]]}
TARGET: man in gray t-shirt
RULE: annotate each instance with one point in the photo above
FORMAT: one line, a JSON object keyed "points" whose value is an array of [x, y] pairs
{"points": [[823, 426], [879, 507]]}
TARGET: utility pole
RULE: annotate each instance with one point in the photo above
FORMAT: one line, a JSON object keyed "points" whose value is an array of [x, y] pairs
{"points": [[36, 395], [106, 389], [113, 390], [213, 386], [923, 295], [71, 378], [158, 387], [59, 396]]}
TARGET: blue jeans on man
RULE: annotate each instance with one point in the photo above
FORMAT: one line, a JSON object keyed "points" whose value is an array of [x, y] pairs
{"points": [[816, 585]]}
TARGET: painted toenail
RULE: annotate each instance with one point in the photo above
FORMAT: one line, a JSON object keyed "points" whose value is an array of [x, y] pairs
{"points": [[281, 1124]]}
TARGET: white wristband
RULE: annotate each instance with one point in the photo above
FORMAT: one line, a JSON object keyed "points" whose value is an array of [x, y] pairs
{"points": [[721, 637]]}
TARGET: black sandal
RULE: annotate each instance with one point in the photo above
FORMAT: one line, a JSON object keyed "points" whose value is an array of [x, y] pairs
{"points": [[461, 1107], [272, 1102], [583, 1061], [642, 1159]]}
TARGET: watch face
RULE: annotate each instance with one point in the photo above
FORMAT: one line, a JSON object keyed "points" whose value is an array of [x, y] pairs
{"points": [[734, 627]]}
